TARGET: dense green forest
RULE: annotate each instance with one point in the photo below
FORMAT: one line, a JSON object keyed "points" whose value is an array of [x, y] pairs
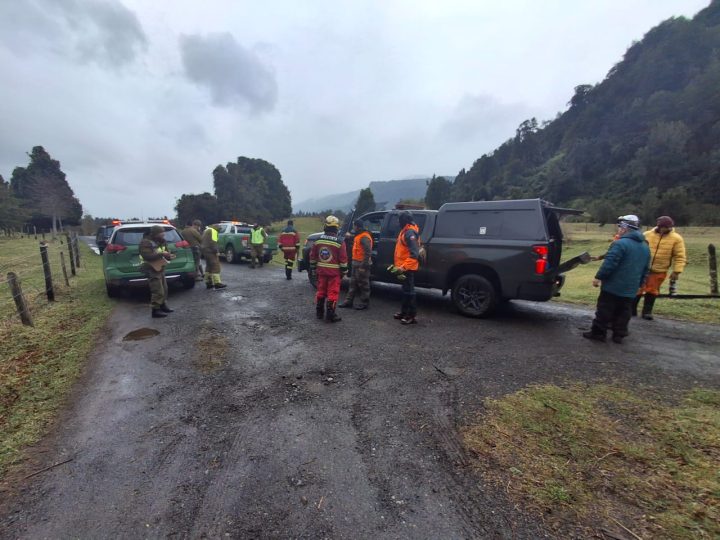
{"points": [[645, 139]]}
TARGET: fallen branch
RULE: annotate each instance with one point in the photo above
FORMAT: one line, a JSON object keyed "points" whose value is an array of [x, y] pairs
{"points": [[48, 468], [626, 529]]}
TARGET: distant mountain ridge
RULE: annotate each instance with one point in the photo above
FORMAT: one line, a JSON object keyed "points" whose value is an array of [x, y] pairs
{"points": [[388, 192]]}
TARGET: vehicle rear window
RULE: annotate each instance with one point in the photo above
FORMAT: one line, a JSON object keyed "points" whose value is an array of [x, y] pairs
{"points": [[132, 237], [491, 224], [393, 228]]}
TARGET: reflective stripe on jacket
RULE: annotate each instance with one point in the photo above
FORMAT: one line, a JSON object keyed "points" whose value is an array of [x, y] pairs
{"points": [[666, 250], [289, 239], [407, 248], [362, 250], [328, 252]]}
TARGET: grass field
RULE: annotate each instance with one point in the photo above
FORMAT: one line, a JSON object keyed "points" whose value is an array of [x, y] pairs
{"points": [[598, 456], [589, 237], [39, 364]]}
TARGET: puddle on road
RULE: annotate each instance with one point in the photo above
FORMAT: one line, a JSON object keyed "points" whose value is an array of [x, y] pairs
{"points": [[140, 334]]}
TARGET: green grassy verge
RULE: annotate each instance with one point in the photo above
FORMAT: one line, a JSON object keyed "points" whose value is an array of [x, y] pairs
{"points": [[39, 365], [597, 456], [578, 287]]}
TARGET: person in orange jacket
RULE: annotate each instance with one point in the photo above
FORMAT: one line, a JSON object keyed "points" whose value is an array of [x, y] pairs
{"points": [[361, 262], [328, 260], [289, 241], [406, 263]]}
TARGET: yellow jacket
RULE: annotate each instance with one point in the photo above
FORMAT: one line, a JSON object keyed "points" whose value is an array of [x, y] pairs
{"points": [[666, 250]]}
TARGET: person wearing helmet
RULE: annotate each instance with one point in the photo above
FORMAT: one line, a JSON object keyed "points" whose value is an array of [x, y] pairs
{"points": [[210, 251], [406, 263], [328, 260], [624, 269], [361, 262], [667, 249], [154, 255]]}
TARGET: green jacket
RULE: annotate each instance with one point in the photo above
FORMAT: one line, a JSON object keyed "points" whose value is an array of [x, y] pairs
{"points": [[192, 235]]}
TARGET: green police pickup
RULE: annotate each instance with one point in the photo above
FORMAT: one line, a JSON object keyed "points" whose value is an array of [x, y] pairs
{"points": [[234, 242]]}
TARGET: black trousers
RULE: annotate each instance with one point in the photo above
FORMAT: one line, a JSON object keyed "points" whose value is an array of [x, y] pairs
{"points": [[409, 305], [612, 313]]}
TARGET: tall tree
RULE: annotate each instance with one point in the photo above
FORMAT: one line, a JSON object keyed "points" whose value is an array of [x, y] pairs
{"points": [[44, 191], [203, 207], [439, 192], [365, 202], [12, 215]]}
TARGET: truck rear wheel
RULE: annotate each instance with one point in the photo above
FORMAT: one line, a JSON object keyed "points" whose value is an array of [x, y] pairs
{"points": [[230, 255], [474, 295]]}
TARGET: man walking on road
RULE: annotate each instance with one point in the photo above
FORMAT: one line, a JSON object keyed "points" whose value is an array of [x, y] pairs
{"points": [[290, 244], [361, 261], [328, 260], [624, 269], [667, 250], [191, 233], [406, 263], [257, 245], [154, 255], [209, 246]]}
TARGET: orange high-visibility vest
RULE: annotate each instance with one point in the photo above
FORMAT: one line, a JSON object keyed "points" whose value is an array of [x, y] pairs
{"points": [[402, 252], [357, 250]]}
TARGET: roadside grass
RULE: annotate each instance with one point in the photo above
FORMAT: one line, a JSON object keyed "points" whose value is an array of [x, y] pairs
{"points": [[303, 225], [599, 456], [39, 364], [695, 279]]}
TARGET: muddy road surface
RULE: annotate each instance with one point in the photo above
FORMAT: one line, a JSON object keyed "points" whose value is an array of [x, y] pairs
{"points": [[242, 416]]}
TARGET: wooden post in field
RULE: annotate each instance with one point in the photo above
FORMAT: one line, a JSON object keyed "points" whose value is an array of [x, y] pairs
{"points": [[64, 269], [49, 291], [20, 304], [77, 250], [712, 260], [35, 231], [70, 253]]}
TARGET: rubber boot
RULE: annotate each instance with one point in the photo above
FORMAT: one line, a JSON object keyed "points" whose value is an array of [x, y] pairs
{"points": [[158, 314], [635, 303], [648, 307], [219, 285], [330, 315], [288, 273], [166, 309], [320, 308]]}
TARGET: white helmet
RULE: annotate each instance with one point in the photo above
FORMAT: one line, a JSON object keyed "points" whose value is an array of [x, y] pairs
{"points": [[629, 221]]}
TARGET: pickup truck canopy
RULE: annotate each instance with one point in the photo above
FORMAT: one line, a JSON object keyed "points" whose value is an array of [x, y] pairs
{"points": [[515, 204]]}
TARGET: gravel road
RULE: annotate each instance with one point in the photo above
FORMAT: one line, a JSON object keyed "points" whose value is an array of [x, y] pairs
{"points": [[244, 417]]}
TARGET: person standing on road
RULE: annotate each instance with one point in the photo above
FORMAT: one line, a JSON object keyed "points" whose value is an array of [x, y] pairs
{"points": [[406, 263], [210, 251], [667, 249], [328, 260], [191, 233], [290, 244], [361, 262], [624, 269], [154, 255], [257, 245]]}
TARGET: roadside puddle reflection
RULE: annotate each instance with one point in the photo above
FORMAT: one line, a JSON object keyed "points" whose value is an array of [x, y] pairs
{"points": [[140, 334]]}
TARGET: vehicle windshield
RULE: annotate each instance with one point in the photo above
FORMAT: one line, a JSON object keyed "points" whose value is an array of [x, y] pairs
{"points": [[132, 237]]}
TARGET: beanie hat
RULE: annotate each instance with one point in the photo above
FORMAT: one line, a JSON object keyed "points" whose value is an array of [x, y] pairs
{"points": [[665, 221]]}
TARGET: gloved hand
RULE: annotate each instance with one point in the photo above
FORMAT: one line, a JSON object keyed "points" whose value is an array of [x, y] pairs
{"points": [[398, 272]]}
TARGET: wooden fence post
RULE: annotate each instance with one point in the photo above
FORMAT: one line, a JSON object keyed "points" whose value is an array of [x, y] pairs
{"points": [[49, 290], [64, 269], [20, 304], [77, 250], [71, 255], [712, 260]]}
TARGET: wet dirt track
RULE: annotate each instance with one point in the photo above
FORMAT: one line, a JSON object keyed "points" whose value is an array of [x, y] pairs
{"points": [[244, 417]]}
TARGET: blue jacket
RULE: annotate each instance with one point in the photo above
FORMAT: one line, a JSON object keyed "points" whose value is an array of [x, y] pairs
{"points": [[626, 265]]}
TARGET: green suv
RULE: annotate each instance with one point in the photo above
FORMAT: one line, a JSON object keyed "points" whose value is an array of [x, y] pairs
{"points": [[121, 260]]}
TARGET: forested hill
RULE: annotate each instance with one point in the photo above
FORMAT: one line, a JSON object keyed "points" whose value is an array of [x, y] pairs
{"points": [[647, 138]]}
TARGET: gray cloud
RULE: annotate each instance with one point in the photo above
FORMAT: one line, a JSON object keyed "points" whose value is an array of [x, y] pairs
{"points": [[484, 116], [101, 31], [232, 73]]}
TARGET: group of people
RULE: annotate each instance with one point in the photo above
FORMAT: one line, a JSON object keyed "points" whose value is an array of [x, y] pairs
{"points": [[329, 261], [635, 267]]}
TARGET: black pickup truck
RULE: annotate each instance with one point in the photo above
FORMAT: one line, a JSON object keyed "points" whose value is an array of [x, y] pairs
{"points": [[482, 252]]}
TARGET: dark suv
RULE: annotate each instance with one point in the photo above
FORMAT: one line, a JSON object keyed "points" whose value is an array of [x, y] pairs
{"points": [[102, 237], [482, 252]]}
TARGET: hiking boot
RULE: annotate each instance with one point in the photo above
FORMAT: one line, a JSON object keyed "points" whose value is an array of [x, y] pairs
{"points": [[166, 309], [320, 309], [346, 304], [408, 320], [158, 314], [361, 307], [208, 285], [399, 315], [220, 285], [593, 336], [330, 315]]}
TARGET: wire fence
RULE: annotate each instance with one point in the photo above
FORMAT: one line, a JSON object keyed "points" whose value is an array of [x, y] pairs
{"points": [[42, 272]]}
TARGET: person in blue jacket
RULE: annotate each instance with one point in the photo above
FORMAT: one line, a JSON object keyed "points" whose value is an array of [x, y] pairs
{"points": [[623, 272]]}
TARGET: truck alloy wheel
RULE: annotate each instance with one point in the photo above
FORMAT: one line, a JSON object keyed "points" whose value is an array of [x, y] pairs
{"points": [[230, 255], [474, 295]]}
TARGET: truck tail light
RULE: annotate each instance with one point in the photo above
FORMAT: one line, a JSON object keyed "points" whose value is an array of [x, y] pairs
{"points": [[182, 244], [542, 260], [115, 248]]}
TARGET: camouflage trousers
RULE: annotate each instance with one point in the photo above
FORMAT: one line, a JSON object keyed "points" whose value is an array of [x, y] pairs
{"points": [[359, 283]]}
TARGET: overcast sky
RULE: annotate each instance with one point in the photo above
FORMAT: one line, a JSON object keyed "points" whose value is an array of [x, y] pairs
{"points": [[140, 100]]}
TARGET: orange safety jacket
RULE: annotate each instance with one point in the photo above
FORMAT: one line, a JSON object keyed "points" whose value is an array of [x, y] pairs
{"points": [[358, 252], [404, 258]]}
